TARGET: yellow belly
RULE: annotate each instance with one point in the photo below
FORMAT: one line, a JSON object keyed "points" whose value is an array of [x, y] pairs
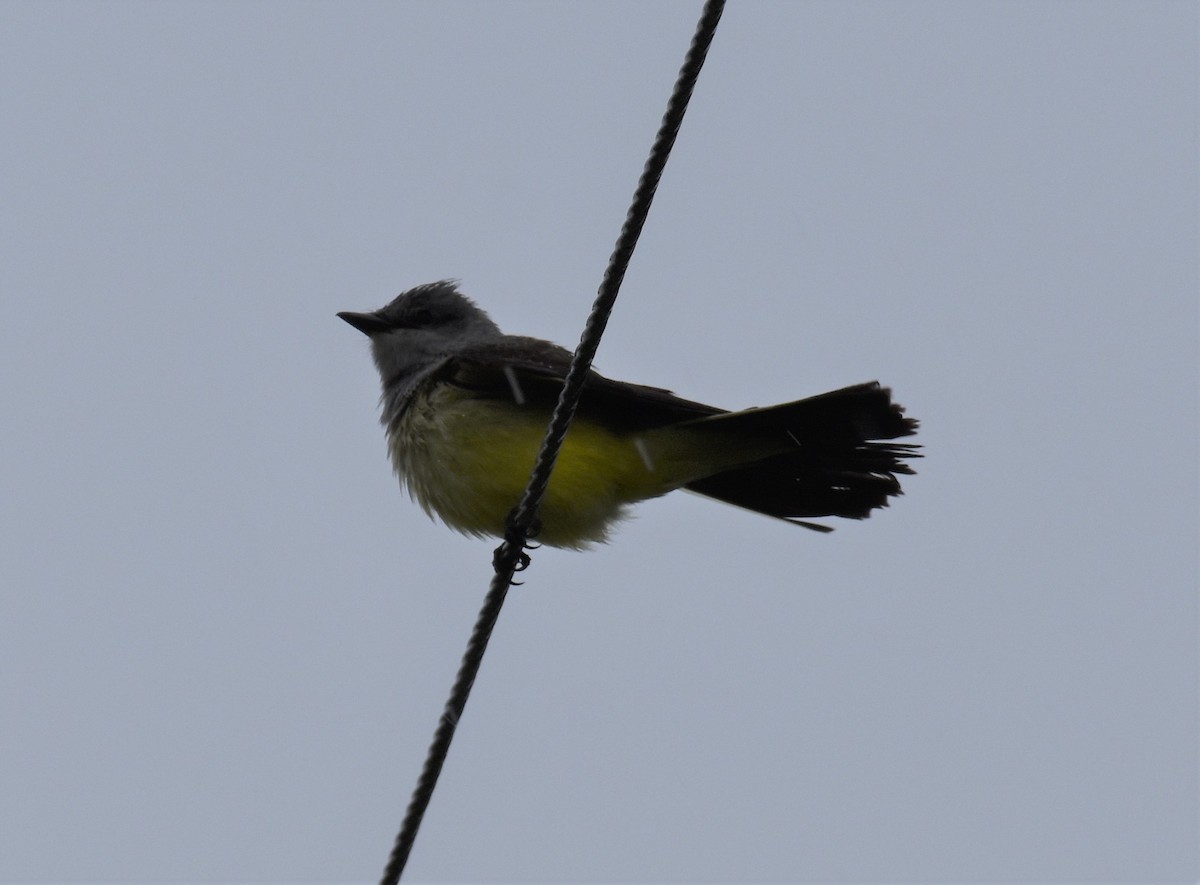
{"points": [[468, 460]]}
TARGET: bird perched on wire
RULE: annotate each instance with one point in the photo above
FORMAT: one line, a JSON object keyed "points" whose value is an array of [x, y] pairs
{"points": [[466, 406]]}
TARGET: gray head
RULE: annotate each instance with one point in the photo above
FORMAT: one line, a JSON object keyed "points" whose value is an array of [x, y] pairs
{"points": [[419, 327]]}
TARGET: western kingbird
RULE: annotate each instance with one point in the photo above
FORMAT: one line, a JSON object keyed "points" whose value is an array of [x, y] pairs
{"points": [[466, 407]]}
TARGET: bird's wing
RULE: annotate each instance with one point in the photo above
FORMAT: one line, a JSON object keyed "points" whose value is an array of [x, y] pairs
{"points": [[531, 372]]}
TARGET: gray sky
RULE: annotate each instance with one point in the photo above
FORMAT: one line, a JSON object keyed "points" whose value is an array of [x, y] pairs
{"points": [[225, 634]]}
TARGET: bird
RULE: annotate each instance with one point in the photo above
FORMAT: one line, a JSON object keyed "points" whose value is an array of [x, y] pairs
{"points": [[465, 408]]}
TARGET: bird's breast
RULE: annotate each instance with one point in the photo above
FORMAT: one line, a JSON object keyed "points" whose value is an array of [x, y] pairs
{"points": [[468, 458]]}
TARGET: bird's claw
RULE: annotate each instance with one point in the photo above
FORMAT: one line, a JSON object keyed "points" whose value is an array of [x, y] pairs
{"points": [[515, 540]]}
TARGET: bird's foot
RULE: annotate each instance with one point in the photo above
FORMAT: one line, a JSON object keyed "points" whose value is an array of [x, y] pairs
{"points": [[512, 540]]}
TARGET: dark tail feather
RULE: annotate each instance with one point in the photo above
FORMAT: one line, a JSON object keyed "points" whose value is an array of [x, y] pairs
{"points": [[836, 467]]}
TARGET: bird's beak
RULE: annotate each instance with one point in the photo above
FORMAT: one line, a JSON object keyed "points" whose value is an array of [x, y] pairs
{"points": [[367, 323]]}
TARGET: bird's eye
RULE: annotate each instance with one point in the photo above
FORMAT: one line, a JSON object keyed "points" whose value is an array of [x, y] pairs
{"points": [[422, 316]]}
